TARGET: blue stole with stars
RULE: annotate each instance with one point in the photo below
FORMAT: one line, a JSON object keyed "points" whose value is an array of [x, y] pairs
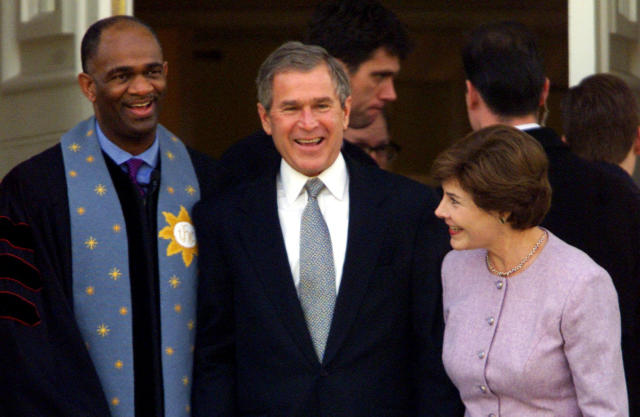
{"points": [[101, 288]]}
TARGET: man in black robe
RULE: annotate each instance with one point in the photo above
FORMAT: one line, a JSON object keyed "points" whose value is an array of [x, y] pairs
{"points": [[48, 368]]}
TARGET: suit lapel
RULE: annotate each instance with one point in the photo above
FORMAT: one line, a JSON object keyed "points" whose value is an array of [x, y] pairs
{"points": [[262, 237], [367, 225]]}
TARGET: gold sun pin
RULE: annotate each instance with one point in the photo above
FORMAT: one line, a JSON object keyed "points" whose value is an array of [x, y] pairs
{"points": [[182, 235]]}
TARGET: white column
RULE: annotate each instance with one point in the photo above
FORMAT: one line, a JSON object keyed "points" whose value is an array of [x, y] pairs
{"points": [[583, 39], [39, 63]]}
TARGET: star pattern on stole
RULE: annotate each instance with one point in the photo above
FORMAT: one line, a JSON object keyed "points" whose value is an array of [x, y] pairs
{"points": [[115, 273], [91, 243], [175, 247], [174, 281], [103, 330]]}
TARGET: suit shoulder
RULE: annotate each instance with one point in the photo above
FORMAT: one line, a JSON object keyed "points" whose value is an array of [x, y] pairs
{"points": [[52, 155], [44, 171], [404, 188], [211, 176], [200, 159], [249, 158], [618, 183], [254, 143], [225, 197]]}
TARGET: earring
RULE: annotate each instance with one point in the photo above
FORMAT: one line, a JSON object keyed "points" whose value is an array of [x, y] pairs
{"points": [[502, 220]]}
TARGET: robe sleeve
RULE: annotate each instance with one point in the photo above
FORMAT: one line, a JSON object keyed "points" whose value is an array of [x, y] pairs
{"points": [[20, 279]]}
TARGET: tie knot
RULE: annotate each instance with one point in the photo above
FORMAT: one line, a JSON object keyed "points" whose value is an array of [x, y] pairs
{"points": [[313, 187], [134, 165]]}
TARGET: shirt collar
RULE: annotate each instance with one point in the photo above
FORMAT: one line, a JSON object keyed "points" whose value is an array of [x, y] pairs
{"points": [[527, 126], [335, 178], [120, 156]]}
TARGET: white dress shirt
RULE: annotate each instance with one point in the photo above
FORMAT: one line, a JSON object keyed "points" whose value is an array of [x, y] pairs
{"points": [[527, 126], [334, 205]]}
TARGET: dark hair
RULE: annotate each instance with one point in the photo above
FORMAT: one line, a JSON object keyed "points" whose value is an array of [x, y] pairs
{"points": [[296, 56], [503, 169], [503, 63], [91, 38], [352, 30], [600, 118]]}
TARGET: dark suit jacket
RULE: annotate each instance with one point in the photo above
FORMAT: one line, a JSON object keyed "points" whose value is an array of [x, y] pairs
{"points": [[596, 207], [254, 355]]}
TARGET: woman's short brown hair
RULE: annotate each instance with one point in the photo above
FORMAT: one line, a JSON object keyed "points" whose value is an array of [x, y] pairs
{"points": [[503, 169]]}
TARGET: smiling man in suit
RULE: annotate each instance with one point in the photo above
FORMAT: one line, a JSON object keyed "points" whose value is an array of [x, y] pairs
{"points": [[319, 291]]}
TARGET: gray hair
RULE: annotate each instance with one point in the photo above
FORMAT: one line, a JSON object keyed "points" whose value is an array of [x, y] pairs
{"points": [[297, 56]]}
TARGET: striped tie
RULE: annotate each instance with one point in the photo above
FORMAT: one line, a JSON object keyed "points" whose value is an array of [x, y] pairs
{"points": [[133, 165]]}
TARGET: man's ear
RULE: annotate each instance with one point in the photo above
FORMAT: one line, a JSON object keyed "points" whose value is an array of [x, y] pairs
{"points": [[564, 140], [88, 86], [265, 119], [544, 95], [636, 143], [472, 96], [347, 112]]}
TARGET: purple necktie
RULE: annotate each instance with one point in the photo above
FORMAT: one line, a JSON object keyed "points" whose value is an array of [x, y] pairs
{"points": [[134, 165]]}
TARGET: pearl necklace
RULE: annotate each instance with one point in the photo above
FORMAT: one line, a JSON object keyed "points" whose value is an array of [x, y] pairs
{"points": [[522, 262]]}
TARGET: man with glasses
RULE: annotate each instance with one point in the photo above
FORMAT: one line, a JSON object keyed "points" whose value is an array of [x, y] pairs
{"points": [[375, 141]]}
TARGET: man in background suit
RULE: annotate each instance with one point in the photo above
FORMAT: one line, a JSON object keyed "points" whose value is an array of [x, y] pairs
{"points": [[339, 319], [591, 208], [369, 40], [601, 123]]}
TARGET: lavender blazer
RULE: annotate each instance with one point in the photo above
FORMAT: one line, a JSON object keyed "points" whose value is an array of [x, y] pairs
{"points": [[545, 342]]}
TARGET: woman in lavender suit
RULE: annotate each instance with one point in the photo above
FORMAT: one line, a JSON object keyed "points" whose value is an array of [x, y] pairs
{"points": [[532, 323]]}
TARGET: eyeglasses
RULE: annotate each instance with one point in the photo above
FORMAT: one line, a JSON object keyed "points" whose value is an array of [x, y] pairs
{"points": [[388, 150]]}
